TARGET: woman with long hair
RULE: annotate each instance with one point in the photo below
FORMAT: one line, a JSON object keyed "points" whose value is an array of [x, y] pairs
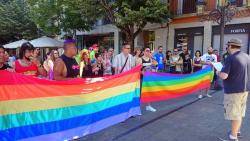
{"points": [[85, 66], [49, 63], [25, 65], [137, 55], [197, 63], [107, 57]]}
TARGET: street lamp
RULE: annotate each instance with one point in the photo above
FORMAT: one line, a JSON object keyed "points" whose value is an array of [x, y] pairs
{"points": [[222, 15]]}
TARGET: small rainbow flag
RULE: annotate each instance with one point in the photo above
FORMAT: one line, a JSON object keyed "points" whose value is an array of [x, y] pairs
{"points": [[164, 86], [43, 110]]}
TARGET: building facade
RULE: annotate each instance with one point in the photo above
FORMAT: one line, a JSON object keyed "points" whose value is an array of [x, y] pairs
{"points": [[187, 28]]}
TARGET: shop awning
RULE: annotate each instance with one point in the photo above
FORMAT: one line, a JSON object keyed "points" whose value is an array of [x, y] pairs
{"points": [[15, 44], [46, 42]]}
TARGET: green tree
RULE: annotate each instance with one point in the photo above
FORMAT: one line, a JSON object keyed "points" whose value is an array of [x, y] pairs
{"points": [[131, 16], [15, 22], [54, 16]]}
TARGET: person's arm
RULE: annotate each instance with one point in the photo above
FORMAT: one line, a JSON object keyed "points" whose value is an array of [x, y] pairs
{"points": [[222, 75], [203, 60], [41, 70], [14, 65], [139, 61], [225, 70], [46, 65], [58, 70], [82, 65], [180, 61], [11, 69], [115, 64], [215, 58], [172, 61], [133, 61]]}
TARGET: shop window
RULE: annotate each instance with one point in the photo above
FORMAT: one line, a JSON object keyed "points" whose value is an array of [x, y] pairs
{"points": [[238, 3], [182, 40], [149, 39]]}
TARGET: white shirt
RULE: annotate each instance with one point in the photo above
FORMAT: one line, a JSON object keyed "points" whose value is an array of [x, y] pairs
{"points": [[208, 58], [120, 60]]}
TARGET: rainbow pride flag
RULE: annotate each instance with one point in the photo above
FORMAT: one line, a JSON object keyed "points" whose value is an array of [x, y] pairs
{"points": [[43, 110], [164, 86]]}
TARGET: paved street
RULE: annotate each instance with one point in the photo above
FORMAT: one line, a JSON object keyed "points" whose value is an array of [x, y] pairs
{"points": [[184, 119]]}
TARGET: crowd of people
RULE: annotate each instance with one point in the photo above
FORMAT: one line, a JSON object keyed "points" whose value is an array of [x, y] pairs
{"points": [[94, 63]]}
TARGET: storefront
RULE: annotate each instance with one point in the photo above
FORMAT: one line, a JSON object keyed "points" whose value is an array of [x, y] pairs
{"points": [[240, 31], [105, 41], [149, 39], [192, 37]]}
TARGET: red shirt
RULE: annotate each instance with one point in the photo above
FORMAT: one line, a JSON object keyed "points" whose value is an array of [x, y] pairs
{"points": [[31, 70]]}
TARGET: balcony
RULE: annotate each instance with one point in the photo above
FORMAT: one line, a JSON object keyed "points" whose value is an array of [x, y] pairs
{"points": [[187, 8]]}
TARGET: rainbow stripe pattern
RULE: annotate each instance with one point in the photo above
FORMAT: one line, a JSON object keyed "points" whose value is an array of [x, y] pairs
{"points": [[40, 110], [164, 86]]}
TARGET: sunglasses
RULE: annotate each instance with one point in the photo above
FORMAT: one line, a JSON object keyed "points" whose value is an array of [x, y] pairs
{"points": [[127, 48], [147, 50]]}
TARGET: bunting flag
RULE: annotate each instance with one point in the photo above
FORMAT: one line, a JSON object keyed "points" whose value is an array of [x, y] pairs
{"points": [[163, 86], [43, 110]]}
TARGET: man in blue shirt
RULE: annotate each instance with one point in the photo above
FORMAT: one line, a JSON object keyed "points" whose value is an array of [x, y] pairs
{"points": [[236, 79], [160, 58]]}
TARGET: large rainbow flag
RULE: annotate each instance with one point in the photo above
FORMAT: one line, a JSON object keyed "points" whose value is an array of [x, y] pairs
{"points": [[44, 110], [164, 86]]}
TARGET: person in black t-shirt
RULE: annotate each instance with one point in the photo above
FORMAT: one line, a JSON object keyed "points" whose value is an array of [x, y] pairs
{"points": [[236, 79], [66, 66], [98, 66], [187, 61]]}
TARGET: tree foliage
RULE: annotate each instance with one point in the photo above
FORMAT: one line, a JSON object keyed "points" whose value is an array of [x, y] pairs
{"points": [[55, 16], [131, 16], [15, 22]]}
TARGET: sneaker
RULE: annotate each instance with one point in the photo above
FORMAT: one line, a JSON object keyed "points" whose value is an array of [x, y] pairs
{"points": [[150, 108], [208, 95], [228, 139], [239, 135], [200, 96]]}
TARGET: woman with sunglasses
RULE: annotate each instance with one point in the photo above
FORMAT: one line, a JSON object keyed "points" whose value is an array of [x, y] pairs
{"points": [[176, 62], [147, 65]]}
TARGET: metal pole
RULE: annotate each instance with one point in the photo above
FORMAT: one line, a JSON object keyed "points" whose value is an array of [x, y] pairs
{"points": [[222, 29]]}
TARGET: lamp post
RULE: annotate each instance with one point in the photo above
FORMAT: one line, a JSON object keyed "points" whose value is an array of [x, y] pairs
{"points": [[222, 15]]}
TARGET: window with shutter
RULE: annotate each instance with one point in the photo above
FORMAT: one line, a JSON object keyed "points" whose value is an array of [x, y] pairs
{"points": [[189, 6]]}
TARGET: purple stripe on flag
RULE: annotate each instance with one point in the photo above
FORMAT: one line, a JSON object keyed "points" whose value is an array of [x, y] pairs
{"points": [[86, 130]]}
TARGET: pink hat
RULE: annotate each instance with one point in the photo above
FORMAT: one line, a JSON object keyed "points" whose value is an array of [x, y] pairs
{"points": [[95, 46]]}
